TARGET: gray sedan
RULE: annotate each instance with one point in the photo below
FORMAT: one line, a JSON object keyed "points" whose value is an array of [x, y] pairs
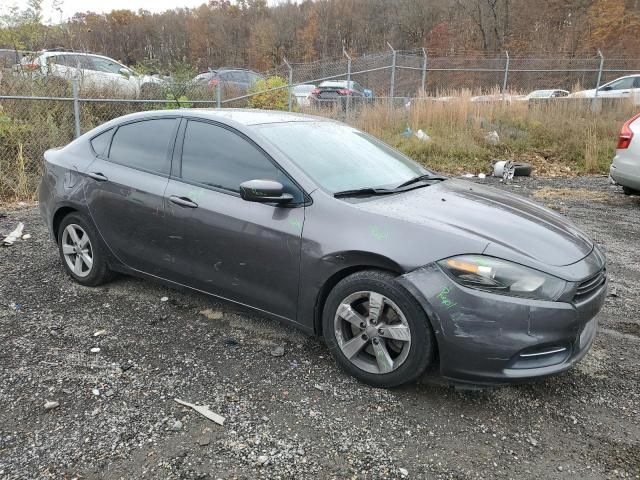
{"points": [[319, 225]]}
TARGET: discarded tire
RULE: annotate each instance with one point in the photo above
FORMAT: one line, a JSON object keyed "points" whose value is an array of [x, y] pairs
{"points": [[522, 169]]}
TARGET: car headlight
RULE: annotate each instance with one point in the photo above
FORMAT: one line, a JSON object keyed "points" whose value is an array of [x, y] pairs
{"points": [[502, 277]]}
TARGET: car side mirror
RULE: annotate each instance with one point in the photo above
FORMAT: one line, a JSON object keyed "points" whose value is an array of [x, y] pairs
{"points": [[124, 72], [264, 191]]}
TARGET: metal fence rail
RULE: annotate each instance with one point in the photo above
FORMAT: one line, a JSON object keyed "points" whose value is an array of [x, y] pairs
{"points": [[36, 115]]}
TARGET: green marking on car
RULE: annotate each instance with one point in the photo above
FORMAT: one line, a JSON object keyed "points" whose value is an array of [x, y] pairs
{"points": [[444, 298]]}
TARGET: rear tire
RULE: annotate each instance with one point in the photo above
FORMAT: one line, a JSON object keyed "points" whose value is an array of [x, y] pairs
{"points": [[82, 252], [522, 169], [376, 330]]}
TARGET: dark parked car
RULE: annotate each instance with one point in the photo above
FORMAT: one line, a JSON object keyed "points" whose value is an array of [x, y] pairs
{"points": [[317, 224], [231, 79], [336, 91]]}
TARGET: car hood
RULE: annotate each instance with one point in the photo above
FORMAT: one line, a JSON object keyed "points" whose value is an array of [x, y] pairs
{"points": [[507, 222]]}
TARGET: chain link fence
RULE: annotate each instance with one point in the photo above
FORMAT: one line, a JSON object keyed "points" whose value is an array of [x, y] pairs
{"points": [[41, 113]]}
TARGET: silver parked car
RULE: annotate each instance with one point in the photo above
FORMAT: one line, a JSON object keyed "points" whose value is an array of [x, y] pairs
{"points": [[625, 169], [322, 226]]}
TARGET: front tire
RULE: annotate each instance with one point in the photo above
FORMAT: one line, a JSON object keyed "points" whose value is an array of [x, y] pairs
{"points": [[376, 330], [630, 191], [82, 252]]}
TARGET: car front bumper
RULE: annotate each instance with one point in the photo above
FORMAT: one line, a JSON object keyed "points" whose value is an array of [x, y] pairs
{"points": [[484, 338]]}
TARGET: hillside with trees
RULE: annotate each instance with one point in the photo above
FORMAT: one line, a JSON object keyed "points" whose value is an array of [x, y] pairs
{"points": [[252, 33]]}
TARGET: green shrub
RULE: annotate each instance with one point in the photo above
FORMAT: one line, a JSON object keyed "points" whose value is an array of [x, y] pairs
{"points": [[262, 95]]}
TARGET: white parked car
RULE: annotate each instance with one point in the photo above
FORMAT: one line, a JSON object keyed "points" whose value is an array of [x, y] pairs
{"points": [[550, 93], [625, 169], [92, 71], [302, 94], [623, 87]]}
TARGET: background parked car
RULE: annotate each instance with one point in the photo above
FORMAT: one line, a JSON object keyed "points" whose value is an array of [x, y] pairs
{"points": [[625, 169], [302, 94], [623, 87], [238, 80], [93, 71], [334, 91], [551, 93]]}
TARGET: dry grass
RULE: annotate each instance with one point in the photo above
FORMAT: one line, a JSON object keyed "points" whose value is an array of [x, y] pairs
{"points": [[559, 137]]}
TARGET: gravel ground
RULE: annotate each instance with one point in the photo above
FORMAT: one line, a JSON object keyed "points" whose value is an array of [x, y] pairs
{"points": [[294, 415]]}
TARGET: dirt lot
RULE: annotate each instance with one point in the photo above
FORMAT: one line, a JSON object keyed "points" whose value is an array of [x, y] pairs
{"points": [[296, 415]]}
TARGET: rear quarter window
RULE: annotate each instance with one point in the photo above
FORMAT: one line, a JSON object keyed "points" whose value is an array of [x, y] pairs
{"points": [[101, 142], [144, 145]]}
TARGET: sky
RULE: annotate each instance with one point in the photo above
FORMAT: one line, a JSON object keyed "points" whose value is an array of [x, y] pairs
{"points": [[69, 7]]}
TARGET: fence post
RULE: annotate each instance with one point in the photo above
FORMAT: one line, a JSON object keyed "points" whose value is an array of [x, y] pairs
{"points": [[348, 105], [506, 76], [424, 70], [218, 99], [290, 80], [76, 104], [599, 73], [392, 89]]}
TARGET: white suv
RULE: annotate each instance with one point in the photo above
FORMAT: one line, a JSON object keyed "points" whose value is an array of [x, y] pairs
{"points": [[93, 71], [623, 87]]}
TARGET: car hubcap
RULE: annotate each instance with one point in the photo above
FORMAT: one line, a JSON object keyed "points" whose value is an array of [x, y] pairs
{"points": [[77, 251], [372, 332]]}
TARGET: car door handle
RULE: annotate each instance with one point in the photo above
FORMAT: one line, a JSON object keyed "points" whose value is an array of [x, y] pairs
{"points": [[183, 201], [97, 176]]}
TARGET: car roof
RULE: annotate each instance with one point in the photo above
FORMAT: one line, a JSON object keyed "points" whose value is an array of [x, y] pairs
{"points": [[246, 117], [57, 53]]}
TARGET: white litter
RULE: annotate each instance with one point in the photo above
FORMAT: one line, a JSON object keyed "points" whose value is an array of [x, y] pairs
{"points": [[95, 350], [482, 175], [164, 299], [492, 138], [13, 236], [99, 333], [26, 236], [420, 135], [204, 411]]}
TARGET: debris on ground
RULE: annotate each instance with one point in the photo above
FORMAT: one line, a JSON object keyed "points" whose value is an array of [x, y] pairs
{"points": [[492, 138], [95, 350], [26, 236], [100, 333], [277, 351], [49, 405], [504, 169], [212, 314], [420, 135], [403, 471], [203, 410], [176, 426], [14, 235], [164, 299]]}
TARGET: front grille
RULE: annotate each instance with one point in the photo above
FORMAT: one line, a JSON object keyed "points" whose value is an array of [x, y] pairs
{"points": [[590, 284]]}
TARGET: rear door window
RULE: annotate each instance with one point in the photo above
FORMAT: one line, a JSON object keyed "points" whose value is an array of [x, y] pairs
{"points": [[144, 145], [217, 157]]}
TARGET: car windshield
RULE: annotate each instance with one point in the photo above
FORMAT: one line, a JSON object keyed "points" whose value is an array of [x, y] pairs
{"points": [[339, 157]]}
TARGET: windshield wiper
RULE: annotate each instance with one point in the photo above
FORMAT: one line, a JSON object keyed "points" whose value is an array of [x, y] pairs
{"points": [[421, 178], [364, 191]]}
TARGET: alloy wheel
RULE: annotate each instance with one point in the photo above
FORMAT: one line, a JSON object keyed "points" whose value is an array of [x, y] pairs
{"points": [[77, 250], [372, 332]]}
